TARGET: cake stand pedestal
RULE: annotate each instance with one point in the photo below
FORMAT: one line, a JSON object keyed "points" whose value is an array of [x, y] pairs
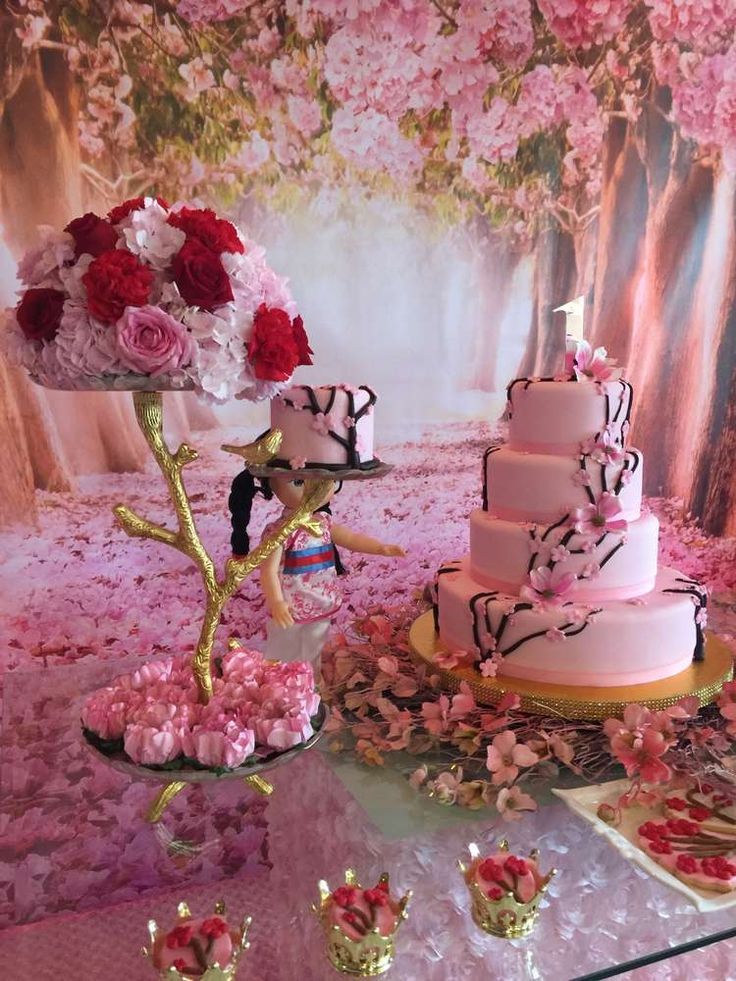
{"points": [[218, 590], [703, 678]]}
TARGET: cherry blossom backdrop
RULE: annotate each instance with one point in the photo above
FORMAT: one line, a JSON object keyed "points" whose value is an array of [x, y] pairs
{"points": [[435, 176]]}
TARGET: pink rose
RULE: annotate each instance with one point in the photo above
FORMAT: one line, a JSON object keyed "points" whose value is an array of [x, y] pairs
{"points": [[151, 342], [149, 745]]}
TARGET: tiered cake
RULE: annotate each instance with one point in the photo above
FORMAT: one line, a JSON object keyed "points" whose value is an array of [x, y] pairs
{"points": [[562, 585]]}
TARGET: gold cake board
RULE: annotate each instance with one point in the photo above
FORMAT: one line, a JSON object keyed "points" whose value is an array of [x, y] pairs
{"points": [[703, 678]]}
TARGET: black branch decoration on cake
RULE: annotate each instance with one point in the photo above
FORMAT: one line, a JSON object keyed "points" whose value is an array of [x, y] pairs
{"points": [[700, 601], [349, 442]]}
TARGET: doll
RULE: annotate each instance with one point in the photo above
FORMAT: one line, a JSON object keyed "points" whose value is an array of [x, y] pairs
{"points": [[300, 579]]}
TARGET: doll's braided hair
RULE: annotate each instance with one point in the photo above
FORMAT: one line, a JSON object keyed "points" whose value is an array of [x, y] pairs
{"points": [[240, 502]]}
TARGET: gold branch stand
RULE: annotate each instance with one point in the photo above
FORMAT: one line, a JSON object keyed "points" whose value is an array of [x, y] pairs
{"points": [[185, 539]]}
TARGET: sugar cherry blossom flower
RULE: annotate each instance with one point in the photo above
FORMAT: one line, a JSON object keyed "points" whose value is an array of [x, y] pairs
{"points": [[298, 462], [489, 667], [455, 659], [505, 756], [445, 786], [604, 515], [603, 449], [555, 635], [547, 587], [323, 423], [511, 801], [593, 365]]}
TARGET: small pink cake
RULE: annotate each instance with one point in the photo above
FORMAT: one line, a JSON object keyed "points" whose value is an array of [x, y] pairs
{"points": [[688, 851], [329, 427], [194, 945], [357, 912], [502, 874]]}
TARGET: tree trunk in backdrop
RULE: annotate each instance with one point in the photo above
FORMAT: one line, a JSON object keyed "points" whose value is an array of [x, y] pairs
{"points": [[664, 307], [555, 280], [50, 436]]}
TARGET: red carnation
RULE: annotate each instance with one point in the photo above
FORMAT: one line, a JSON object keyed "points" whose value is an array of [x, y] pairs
{"points": [[272, 349], [302, 341], [200, 276], [114, 281], [203, 225], [132, 204], [92, 235], [39, 313]]}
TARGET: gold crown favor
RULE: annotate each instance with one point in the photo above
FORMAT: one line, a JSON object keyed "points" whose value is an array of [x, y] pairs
{"points": [[360, 925], [207, 949], [505, 890]]}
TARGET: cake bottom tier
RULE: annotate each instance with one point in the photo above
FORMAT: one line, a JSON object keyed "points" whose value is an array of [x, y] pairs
{"points": [[618, 642]]}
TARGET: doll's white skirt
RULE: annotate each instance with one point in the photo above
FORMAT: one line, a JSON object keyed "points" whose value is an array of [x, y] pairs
{"points": [[301, 642]]}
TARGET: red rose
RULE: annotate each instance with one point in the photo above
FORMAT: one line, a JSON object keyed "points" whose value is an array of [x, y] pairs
{"points": [[203, 225], [39, 313], [200, 276], [302, 341], [114, 281], [273, 349], [132, 204], [91, 234]]}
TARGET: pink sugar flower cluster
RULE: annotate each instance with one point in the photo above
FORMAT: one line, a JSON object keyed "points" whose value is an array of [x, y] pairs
{"points": [[256, 705], [642, 737], [152, 292]]}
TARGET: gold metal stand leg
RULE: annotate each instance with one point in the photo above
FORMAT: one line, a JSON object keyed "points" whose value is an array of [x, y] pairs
{"points": [[162, 800], [258, 784]]}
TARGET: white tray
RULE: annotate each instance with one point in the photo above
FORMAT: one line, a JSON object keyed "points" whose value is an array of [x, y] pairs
{"points": [[585, 801]]}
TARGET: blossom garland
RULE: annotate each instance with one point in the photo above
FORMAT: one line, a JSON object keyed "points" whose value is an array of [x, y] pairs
{"points": [[476, 756], [153, 296]]}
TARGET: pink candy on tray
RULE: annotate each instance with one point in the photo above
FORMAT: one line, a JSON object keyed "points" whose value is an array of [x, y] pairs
{"points": [[154, 717]]}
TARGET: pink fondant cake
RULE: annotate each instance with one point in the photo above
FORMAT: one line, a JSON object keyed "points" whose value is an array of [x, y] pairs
{"points": [[561, 584], [328, 427]]}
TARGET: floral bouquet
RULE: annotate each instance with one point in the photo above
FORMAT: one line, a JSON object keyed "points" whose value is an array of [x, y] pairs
{"points": [[154, 718], [156, 298]]}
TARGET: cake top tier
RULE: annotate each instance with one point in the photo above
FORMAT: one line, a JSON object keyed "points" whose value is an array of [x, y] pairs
{"points": [[328, 426], [558, 416]]}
